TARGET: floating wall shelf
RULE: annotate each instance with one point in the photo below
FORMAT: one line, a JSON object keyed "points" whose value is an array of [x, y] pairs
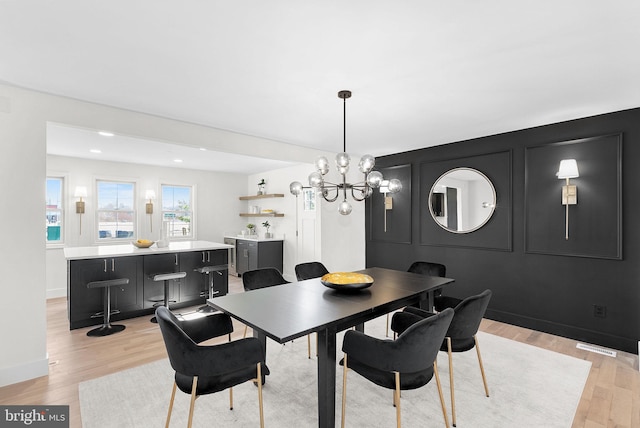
{"points": [[271, 195]]}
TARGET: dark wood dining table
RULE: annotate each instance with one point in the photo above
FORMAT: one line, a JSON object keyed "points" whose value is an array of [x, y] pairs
{"points": [[289, 311]]}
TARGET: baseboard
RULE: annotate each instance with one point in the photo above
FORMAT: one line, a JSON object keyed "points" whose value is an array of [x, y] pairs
{"points": [[590, 336], [23, 372], [56, 292]]}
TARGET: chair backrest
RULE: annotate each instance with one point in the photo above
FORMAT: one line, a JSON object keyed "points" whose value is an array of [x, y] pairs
{"points": [[310, 270], [420, 343], [468, 315], [261, 278], [177, 342], [428, 268]]}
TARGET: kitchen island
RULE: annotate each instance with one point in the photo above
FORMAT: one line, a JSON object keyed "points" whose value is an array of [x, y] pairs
{"points": [[142, 294]]}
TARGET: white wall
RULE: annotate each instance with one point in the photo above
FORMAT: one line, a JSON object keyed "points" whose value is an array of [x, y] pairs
{"points": [[23, 118], [215, 207]]}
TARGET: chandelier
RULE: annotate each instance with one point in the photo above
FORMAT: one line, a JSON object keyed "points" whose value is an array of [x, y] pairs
{"points": [[359, 191]]}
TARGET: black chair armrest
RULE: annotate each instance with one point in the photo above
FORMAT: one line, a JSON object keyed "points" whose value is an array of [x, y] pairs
{"points": [[417, 311], [217, 359], [381, 354], [403, 320]]}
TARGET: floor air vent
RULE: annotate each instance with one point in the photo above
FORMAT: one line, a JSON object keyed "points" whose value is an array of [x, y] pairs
{"points": [[597, 350]]}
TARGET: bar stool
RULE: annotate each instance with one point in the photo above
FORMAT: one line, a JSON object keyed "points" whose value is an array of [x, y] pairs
{"points": [[106, 328], [166, 277], [209, 270]]}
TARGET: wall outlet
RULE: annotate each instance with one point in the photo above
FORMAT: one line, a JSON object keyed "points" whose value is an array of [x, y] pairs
{"points": [[599, 311]]}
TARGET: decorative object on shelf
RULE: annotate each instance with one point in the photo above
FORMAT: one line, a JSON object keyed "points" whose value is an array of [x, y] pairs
{"points": [[346, 281], [252, 228], [359, 191], [142, 243], [568, 169], [266, 225], [150, 195], [261, 186], [81, 192]]}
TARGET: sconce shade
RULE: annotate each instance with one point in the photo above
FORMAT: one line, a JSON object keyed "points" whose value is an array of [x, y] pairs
{"points": [[81, 192], [150, 194], [568, 169]]}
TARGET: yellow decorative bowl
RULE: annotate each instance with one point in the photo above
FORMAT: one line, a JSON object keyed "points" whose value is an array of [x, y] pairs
{"points": [[142, 243], [346, 281]]}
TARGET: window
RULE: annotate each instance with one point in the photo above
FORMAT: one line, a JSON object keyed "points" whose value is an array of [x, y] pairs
{"points": [[309, 200], [177, 212], [115, 214], [54, 210]]}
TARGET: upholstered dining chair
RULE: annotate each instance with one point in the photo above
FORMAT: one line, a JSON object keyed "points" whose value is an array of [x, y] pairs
{"points": [[204, 370], [407, 362], [461, 335], [427, 269], [261, 278], [306, 271]]}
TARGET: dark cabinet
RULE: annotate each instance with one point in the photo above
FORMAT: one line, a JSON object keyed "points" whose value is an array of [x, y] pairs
{"points": [[196, 285], [252, 255], [86, 303]]}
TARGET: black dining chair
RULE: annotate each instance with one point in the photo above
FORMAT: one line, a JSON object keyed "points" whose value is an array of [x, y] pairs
{"points": [[462, 333], [201, 370], [408, 362], [306, 271], [427, 269], [261, 278], [310, 270]]}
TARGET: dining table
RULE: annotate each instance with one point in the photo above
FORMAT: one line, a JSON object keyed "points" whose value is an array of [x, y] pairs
{"points": [[289, 311]]}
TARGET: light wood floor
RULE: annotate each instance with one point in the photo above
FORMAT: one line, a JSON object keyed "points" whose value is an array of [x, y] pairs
{"points": [[611, 397]]}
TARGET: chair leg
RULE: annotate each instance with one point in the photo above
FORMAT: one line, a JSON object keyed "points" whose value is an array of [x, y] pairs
{"points": [[344, 389], [484, 379], [194, 395], [259, 381], [453, 397], [173, 396], [444, 407], [397, 400], [309, 346], [231, 398], [245, 332], [386, 334]]}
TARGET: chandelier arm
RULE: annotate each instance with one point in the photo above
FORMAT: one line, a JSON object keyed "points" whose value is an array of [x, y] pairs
{"points": [[363, 193], [324, 191]]}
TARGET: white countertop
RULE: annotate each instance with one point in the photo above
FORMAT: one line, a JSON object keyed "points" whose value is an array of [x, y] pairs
{"points": [[78, 253], [255, 238]]}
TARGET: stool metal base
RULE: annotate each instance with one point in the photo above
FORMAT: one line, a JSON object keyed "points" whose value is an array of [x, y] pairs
{"points": [[105, 330]]}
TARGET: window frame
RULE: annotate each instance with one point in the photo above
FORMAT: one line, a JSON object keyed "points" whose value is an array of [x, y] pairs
{"points": [[191, 235], [133, 211], [60, 209]]}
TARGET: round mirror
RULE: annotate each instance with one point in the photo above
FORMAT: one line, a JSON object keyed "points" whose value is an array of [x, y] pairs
{"points": [[462, 200]]}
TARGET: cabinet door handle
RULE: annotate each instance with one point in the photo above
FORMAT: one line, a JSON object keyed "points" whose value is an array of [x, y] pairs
{"points": [[203, 260], [176, 260], [208, 256], [216, 292], [113, 265], [105, 265]]}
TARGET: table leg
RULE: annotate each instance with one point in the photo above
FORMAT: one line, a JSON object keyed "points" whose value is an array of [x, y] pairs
{"points": [[326, 378], [263, 340]]}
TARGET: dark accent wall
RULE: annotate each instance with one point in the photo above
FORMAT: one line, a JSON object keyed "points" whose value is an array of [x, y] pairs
{"points": [[548, 290]]}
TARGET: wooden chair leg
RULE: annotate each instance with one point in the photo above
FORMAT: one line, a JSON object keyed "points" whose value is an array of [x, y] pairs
{"points": [[194, 395], [453, 396], [173, 396], [397, 400], [309, 346], [344, 389], [245, 332], [386, 334], [444, 407], [259, 381], [484, 379], [231, 398]]}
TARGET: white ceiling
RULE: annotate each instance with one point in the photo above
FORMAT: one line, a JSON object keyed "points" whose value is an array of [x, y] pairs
{"points": [[422, 72]]}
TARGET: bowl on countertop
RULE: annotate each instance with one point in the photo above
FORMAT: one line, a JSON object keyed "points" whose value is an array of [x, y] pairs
{"points": [[142, 243]]}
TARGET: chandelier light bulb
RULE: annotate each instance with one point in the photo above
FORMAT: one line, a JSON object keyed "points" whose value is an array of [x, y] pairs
{"points": [[343, 169], [395, 185], [315, 179], [374, 179], [322, 165], [342, 159], [295, 188], [344, 208], [367, 162]]}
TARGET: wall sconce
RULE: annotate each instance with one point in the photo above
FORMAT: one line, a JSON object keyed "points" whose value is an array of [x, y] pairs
{"points": [[389, 186], [568, 169], [81, 192], [150, 195]]}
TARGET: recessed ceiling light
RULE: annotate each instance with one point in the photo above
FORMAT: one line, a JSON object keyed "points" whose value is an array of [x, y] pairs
{"points": [[95, 151], [105, 133], [177, 160], [202, 149]]}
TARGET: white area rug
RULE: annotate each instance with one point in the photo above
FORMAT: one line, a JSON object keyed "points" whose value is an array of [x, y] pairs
{"points": [[529, 387]]}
